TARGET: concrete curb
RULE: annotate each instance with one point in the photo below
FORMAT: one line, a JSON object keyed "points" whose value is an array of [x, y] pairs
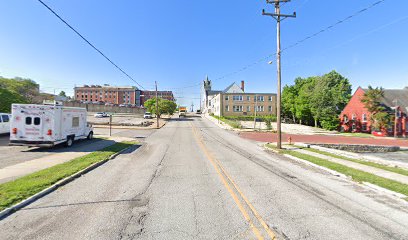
{"points": [[337, 174], [8, 211]]}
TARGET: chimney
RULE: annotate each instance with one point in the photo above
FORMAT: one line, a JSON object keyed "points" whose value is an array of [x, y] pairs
{"points": [[243, 85]]}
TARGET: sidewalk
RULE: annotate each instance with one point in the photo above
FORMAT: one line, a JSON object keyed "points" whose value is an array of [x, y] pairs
{"points": [[13, 172], [334, 139], [373, 170]]}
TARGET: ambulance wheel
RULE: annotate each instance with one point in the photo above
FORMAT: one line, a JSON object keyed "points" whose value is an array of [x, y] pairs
{"points": [[90, 136], [69, 142]]}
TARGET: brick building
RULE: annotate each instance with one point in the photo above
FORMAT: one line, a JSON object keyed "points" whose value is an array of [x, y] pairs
{"points": [[234, 101], [118, 95], [108, 94], [356, 118], [146, 95]]}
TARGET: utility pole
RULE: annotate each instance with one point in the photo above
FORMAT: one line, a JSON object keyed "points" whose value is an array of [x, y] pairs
{"points": [[157, 106], [255, 109], [278, 17], [192, 107]]}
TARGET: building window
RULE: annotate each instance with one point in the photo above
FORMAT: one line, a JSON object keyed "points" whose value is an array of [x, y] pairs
{"points": [[227, 108], [353, 117], [353, 127], [364, 127], [248, 98], [270, 108], [345, 119], [226, 98], [37, 121], [398, 114], [237, 108], [260, 98], [248, 108], [364, 117], [259, 108], [270, 98], [237, 98]]}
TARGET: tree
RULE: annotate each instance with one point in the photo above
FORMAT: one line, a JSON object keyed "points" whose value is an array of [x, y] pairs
{"points": [[26, 88], [372, 101], [317, 100], [289, 94], [331, 93], [7, 98], [62, 94], [165, 106]]}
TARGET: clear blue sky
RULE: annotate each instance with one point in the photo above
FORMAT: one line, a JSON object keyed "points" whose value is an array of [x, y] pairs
{"points": [[178, 43]]}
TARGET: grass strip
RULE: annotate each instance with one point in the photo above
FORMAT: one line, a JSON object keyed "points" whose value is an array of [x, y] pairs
{"points": [[356, 175], [232, 123], [371, 164], [361, 135], [15, 191]]}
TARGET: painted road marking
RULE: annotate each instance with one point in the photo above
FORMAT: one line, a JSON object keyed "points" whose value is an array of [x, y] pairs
{"points": [[227, 183]]}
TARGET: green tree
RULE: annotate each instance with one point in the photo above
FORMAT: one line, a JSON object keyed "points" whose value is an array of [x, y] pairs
{"points": [[330, 95], [62, 94], [7, 98], [289, 94], [165, 106], [302, 103], [372, 101], [26, 88]]}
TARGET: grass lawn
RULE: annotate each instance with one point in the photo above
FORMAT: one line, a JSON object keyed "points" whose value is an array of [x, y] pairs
{"points": [[371, 164], [362, 135], [356, 175], [24, 187]]}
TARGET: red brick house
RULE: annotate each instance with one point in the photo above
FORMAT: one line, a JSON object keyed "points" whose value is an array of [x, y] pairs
{"points": [[356, 118]]}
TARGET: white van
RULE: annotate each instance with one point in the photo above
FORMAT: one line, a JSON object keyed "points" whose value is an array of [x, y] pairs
{"points": [[4, 123], [48, 125]]}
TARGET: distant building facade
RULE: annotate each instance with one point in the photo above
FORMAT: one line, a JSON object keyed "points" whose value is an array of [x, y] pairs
{"points": [[146, 95], [108, 94], [234, 101], [118, 95], [356, 118]]}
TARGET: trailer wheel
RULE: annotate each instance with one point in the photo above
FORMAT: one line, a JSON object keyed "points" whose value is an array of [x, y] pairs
{"points": [[90, 136], [69, 142]]}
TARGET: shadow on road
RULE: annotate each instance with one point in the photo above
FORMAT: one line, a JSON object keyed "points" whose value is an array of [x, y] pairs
{"points": [[138, 202], [78, 146]]}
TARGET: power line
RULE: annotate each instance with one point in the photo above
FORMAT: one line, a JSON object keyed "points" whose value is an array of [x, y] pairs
{"points": [[303, 40], [89, 43]]}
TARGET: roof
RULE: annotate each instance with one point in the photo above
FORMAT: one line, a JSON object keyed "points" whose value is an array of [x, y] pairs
{"points": [[213, 92], [395, 97], [233, 88]]}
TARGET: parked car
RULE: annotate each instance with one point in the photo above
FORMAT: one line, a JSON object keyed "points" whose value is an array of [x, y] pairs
{"points": [[4, 123], [198, 111], [100, 115], [147, 115], [48, 125], [122, 105]]}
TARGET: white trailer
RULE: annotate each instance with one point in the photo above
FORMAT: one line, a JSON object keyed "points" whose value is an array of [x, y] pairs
{"points": [[48, 125]]}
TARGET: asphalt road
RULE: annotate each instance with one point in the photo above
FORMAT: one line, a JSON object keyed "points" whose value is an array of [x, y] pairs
{"points": [[192, 180]]}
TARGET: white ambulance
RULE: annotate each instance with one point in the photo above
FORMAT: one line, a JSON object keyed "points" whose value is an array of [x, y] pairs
{"points": [[48, 125]]}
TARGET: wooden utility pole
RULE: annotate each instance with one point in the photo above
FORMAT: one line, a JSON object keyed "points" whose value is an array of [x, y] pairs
{"points": [[255, 110], [157, 106], [278, 17]]}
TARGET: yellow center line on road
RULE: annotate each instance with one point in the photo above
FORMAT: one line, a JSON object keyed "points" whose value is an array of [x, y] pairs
{"points": [[221, 172]]}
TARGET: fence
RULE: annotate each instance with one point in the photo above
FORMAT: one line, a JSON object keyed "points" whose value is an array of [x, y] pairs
{"points": [[103, 108]]}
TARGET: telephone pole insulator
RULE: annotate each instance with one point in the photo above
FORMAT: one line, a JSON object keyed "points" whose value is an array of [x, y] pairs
{"points": [[278, 17]]}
